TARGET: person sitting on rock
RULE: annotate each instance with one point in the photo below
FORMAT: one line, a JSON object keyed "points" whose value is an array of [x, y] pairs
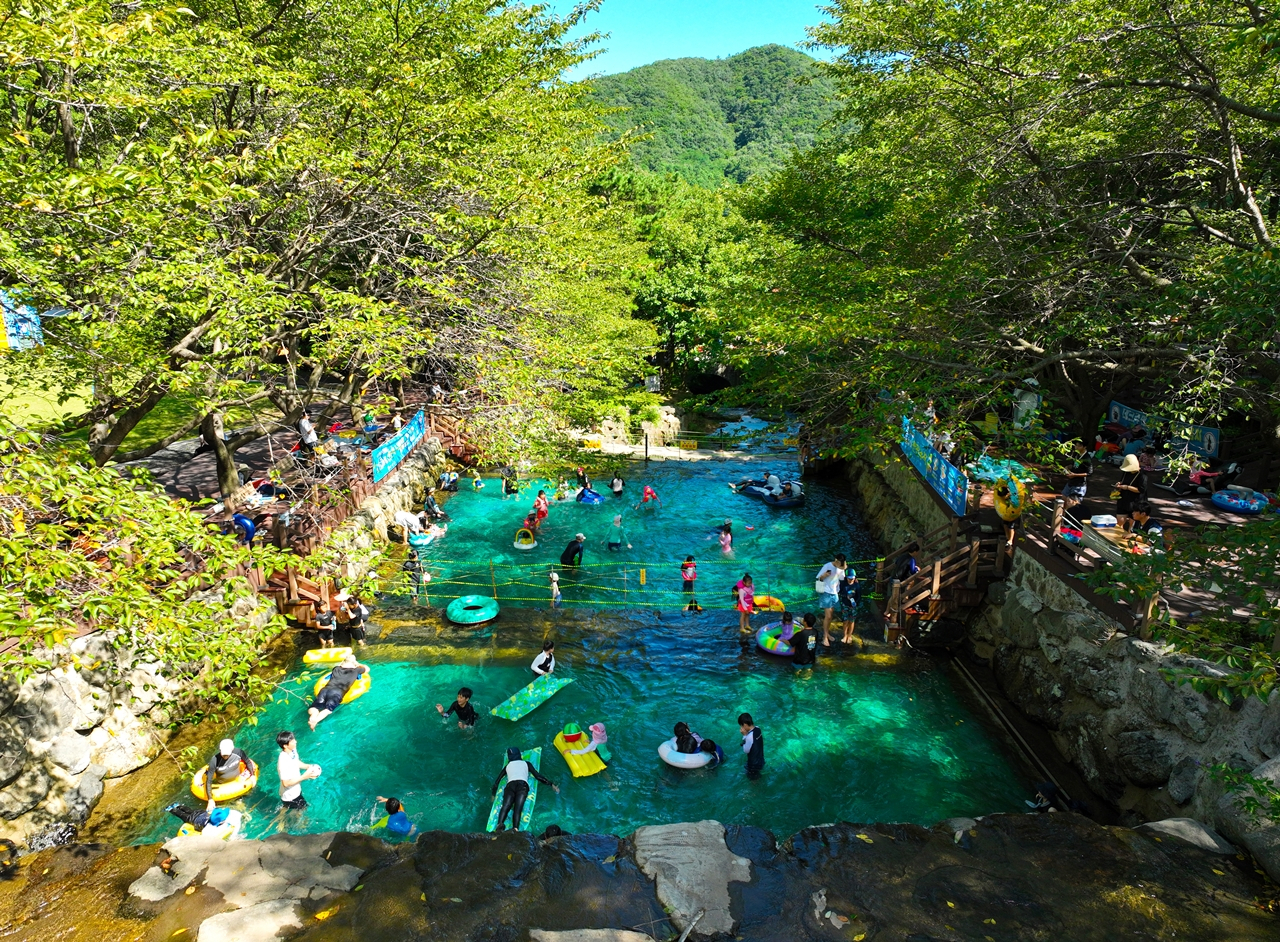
{"points": [[226, 765]]}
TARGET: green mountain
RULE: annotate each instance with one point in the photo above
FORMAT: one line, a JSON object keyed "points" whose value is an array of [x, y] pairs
{"points": [[712, 120]]}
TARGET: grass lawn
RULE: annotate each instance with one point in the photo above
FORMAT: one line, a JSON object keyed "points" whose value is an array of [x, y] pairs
{"points": [[39, 409]]}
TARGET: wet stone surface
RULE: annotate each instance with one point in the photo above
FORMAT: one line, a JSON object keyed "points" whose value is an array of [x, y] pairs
{"points": [[1057, 877]]}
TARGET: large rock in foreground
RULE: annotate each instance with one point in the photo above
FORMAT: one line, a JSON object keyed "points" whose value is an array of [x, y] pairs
{"points": [[1006, 878]]}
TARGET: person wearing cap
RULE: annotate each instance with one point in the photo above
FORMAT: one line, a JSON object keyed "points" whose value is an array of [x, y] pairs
{"points": [[227, 764], [516, 772], [572, 555], [556, 598], [353, 613], [330, 696], [1132, 488]]}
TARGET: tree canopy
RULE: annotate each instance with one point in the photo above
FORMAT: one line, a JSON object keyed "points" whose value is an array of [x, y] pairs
{"points": [[275, 203]]}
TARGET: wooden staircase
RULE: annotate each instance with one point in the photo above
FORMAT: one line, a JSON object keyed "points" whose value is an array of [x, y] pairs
{"points": [[956, 566]]}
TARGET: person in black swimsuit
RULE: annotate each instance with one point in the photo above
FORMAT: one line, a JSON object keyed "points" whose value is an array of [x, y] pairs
{"points": [[330, 696], [461, 707]]}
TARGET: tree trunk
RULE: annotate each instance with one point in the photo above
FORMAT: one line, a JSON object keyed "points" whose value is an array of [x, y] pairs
{"points": [[117, 421], [215, 435]]}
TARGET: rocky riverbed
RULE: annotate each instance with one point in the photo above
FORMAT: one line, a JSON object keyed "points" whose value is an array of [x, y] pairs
{"points": [[1004, 877]]}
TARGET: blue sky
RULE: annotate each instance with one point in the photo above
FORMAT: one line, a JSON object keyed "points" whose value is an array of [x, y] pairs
{"points": [[643, 31]]}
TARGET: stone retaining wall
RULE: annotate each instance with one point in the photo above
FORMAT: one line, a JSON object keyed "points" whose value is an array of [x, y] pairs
{"points": [[105, 712], [1143, 743]]}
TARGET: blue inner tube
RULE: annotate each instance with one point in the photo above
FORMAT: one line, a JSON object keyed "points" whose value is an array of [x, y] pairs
{"points": [[588, 496], [245, 526], [783, 501], [753, 490], [472, 610], [1236, 502]]}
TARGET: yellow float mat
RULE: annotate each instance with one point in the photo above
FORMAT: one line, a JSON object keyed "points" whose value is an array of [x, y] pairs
{"points": [[325, 655], [226, 790], [354, 692], [586, 764]]}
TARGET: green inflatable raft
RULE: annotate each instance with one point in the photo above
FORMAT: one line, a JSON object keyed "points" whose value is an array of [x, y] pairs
{"points": [[472, 610], [534, 758], [527, 699]]}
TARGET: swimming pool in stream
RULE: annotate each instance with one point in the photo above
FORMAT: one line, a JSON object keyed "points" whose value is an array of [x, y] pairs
{"points": [[861, 738]]}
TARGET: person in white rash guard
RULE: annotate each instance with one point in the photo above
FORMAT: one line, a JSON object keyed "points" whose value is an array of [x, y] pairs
{"points": [[545, 663], [516, 772]]}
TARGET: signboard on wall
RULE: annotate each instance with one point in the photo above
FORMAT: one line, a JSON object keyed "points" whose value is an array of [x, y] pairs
{"points": [[946, 479], [1197, 438], [391, 452]]}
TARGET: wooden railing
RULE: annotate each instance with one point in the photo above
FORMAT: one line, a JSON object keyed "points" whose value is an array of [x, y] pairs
{"points": [[945, 582]]}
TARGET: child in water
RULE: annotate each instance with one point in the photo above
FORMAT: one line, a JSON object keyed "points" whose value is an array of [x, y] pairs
{"points": [[476, 483], [746, 594], [726, 537], [395, 821], [688, 573]]}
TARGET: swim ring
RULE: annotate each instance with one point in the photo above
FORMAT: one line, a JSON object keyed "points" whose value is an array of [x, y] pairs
{"points": [[1010, 498], [245, 526], [769, 603], [783, 502], [587, 496], [224, 791], [325, 655], [421, 540], [1239, 503], [472, 610], [525, 539], [354, 692], [682, 760], [227, 829], [767, 639], [755, 489]]}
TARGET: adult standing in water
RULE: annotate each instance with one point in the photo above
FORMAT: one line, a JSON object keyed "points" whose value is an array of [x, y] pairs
{"points": [[293, 772], [617, 535], [516, 772], [827, 586], [572, 555], [616, 484], [752, 744]]}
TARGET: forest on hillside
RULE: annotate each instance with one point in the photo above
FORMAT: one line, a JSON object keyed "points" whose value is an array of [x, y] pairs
{"points": [[716, 120]]}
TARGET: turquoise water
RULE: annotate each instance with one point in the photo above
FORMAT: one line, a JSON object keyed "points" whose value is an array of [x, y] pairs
{"points": [[853, 740], [782, 549]]}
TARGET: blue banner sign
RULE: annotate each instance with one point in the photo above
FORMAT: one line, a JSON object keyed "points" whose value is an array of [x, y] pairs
{"points": [[952, 486], [1203, 441], [21, 324], [391, 452]]}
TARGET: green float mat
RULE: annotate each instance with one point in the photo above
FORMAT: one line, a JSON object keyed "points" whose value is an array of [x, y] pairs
{"points": [[527, 699], [534, 758]]}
